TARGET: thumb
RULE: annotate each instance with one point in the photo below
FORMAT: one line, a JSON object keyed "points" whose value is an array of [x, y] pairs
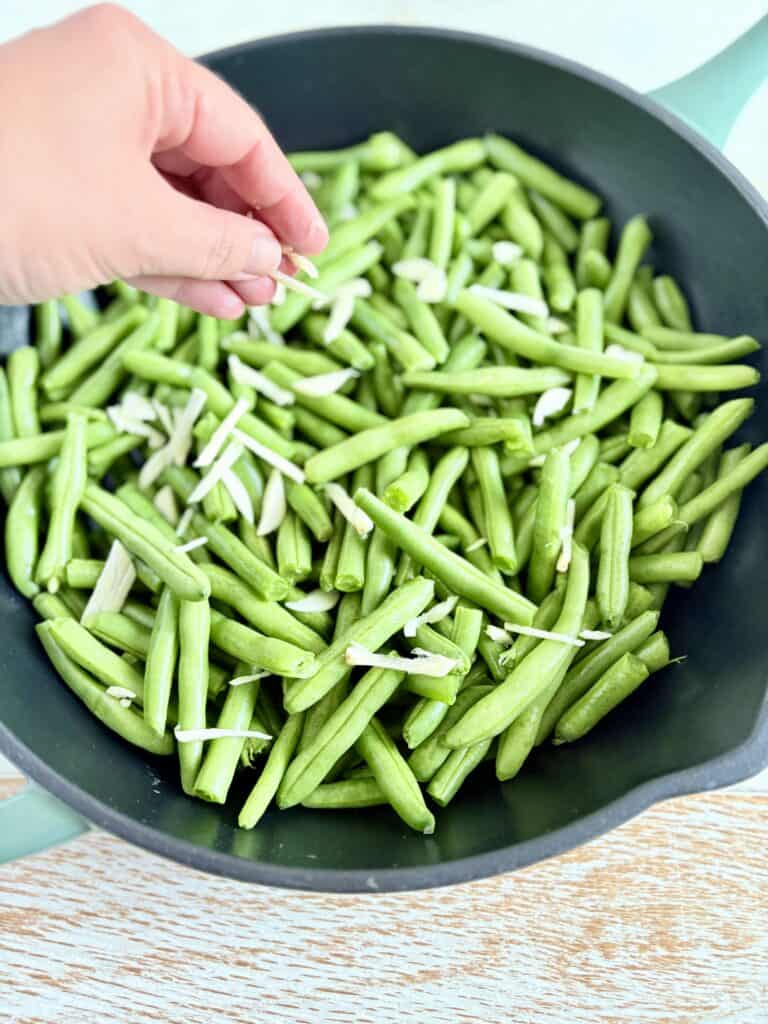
{"points": [[180, 236]]}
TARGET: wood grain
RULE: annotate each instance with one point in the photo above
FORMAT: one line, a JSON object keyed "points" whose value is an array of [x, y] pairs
{"points": [[662, 920]]}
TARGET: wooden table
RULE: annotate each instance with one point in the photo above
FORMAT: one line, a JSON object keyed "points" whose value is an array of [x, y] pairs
{"points": [[664, 919]]}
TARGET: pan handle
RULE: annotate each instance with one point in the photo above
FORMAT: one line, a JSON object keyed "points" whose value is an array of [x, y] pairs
{"points": [[712, 96], [33, 820]]}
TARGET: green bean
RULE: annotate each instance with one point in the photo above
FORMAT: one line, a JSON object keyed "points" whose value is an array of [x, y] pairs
{"points": [[686, 403], [51, 606], [223, 754], [534, 673], [271, 776], [732, 482], [593, 239], [641, 309], [347, 794], [310, 510], [460, 156], [652, 519], [671, 303], [422, 320], [22, 368], [144, 540], [554, 221], [612, 402], [371, 444], [534, 173], [126, 722], [380, 152], [443, 214], [718, 528], [705, 378], [402, 346], [621, 679], [599, 479], [160, 369], [524, 278], [447, 780], [403, 492], [521, 225], [161, 661], [615, 544], [10, 478], [582, 462], [614, 448], [68, 484], [453, 571], [330, 560], [715, 429], [488, 202], [498, 521], [670, 339], [139, 612], [258, 353], [549, 522], [597, 270], [350, 570], [168, 312], [22, 531], [587, 671], [394, 777], [654, 652], [339, 190], [234, 553], [645, 421], [370, 631], [666, 567], [334, 272], [447, 471], [353, 234], [731, 349], [505, 381], [516, 337], [635, 239], [642, 464], [55, 412], [48, 331], [81, 318], [139, 503], [120, 631], [589, 334], [340, 732], [427, 714], [294, 549], [338, 409], [194, 632], [265, 616], [95, 657], [83, 573], [91, 349], [103, 456], [416, 244], [426, 759]]}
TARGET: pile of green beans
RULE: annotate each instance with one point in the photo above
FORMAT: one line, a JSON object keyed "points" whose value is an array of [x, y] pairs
{"points": [[474, 489]]}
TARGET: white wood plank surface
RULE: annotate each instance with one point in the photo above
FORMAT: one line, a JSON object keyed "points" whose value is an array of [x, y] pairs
{"points": [[661, 920]]}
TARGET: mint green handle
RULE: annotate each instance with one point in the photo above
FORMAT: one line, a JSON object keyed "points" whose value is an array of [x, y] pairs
{"points": [[33, 820], [712, 97]]}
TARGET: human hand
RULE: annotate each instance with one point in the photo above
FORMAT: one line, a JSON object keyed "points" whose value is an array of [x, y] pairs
{"points": [[121, 158]]}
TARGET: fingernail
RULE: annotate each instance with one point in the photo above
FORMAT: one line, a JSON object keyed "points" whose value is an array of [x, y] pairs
{"points": [[265, 255], [317, 238]]}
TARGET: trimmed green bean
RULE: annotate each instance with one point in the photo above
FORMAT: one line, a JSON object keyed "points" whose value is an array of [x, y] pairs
{"points": [[161, 660], [126, 722], [635, 239], [194, 633], [615, 544], [223, 755], [269, 780], [549, 521], [395, 778], [22, 531], [22, 368], [621, 679], [534, 173], [671, 303], [460, 156], [68, 486], [718, 528], [589, 335], [48, 331], [371, 444]]}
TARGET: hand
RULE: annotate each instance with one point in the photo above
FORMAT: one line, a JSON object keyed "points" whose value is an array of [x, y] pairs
{"points": [[120, 158]]}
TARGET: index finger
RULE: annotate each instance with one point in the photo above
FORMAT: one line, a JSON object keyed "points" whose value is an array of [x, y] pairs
{"points": [[215, 127]]}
